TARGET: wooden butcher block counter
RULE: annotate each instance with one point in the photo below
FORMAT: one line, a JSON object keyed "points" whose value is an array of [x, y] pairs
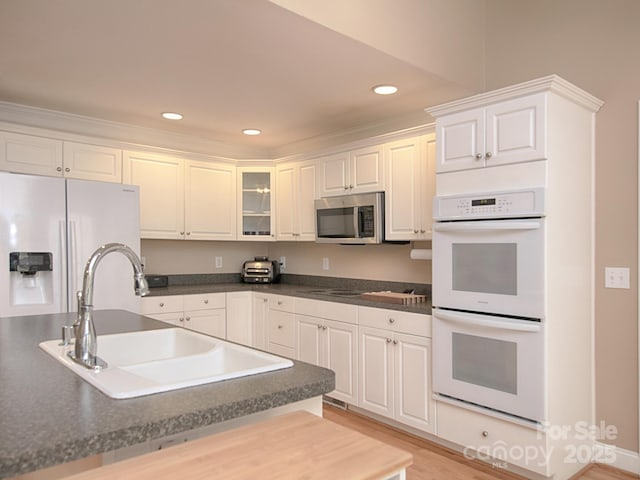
{"points": [[298, 445]]}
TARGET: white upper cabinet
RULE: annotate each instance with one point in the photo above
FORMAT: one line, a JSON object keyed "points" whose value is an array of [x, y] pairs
{"points": [[182, 199], [92, 162], [54, 158], [161, 182], [295, 195], [509, 131], [357, 171], [210, 201], [410, 186], [256, 203]]}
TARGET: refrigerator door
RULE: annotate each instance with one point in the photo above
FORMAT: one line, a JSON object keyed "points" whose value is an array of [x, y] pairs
{"points": [[32, 221], [99, 213]]}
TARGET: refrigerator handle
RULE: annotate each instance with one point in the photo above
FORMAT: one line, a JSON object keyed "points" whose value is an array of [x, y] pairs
{"points": [[62, 254], [72, 266]]}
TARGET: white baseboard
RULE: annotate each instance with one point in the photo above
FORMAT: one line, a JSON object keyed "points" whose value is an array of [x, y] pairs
{"points": [[620, 458]]}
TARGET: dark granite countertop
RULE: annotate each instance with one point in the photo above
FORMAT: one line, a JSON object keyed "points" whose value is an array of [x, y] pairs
{"points": [[299, 286], [49, 415]]}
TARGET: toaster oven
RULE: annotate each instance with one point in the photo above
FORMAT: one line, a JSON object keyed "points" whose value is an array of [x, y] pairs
{"points": [[260, 270]]}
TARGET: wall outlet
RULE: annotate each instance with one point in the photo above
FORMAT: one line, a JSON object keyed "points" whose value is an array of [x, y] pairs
{"points": [[616, 277], [283, 263], [325, 263], [218, 262]]}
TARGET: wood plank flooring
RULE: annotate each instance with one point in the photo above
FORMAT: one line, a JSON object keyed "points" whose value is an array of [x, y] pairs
{"points": [[434, 462]]}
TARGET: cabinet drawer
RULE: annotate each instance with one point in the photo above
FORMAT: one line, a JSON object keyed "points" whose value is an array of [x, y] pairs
{"points": [[282, 303], [282, 328], [341, 312], [204, 301], [397, 321], [493, 437], [168, 303]]}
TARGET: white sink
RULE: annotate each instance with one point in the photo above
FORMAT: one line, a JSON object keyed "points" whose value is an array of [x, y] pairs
{"points": [[153, 361]]}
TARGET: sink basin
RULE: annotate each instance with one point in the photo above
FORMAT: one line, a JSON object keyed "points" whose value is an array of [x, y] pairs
{"points": [[154, 361]]}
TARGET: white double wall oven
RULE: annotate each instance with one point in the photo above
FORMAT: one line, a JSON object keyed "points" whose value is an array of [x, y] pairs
{"points": [[488, 297]]}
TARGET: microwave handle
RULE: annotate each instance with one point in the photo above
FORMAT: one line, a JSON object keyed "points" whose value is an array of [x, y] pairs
{"points": [[475, 320], [357, 222], [485, 226]]}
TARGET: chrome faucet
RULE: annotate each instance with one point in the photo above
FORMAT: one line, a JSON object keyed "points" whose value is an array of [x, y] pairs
{"points": [[86, 343]]}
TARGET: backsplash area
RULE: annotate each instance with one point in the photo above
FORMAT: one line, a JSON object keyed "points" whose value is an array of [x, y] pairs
{"points": [[385, 262]]}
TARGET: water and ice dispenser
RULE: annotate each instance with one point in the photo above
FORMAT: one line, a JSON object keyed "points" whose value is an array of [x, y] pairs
{"points": [[31, 278]]}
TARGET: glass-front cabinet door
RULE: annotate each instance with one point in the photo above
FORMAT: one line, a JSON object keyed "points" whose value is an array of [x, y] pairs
{"points": [[256, 202]]}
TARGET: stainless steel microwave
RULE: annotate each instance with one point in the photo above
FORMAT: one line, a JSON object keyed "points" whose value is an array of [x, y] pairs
{"points": [[350, 219]]}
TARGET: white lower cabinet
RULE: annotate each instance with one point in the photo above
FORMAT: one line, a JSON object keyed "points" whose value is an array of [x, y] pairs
{"points": [[240, 318], [395, 367], [259, 321], [281, 326], [332, 345], [204, 313]]}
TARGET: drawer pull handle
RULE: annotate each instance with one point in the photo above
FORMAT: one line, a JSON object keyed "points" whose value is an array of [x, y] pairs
{"points": [[485, 433]]}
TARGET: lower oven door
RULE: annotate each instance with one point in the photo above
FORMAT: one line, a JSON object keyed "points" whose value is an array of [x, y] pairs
{"points": [[494, 266], [494, 362]]}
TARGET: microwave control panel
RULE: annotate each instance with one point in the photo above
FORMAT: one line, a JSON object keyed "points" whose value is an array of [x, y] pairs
{"points": [[507, 204]]}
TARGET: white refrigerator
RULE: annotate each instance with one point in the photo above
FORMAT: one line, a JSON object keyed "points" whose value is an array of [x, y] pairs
{"points": [[49, 227]]}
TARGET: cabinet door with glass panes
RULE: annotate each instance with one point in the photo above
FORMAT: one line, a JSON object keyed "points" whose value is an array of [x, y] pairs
{"points": [[256, 203]]}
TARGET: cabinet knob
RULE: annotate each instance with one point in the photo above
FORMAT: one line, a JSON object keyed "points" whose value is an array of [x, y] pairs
{"points": [[346, 187], [415, 231], [188, 233], [279, 302], [319, 326], [206, 302], [181, 233], [485, 433], [478, 156], [392, 320], [388, 340], [265, 300], [67, 169], [324, 327], [58, 169], [181, 319], [488, 155], [162, 304], [395, 342], [188, 318], [350, 187], [422, 231]]}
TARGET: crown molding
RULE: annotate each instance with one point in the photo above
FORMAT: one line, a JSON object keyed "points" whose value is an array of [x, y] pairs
{"points": [[552, 83], [121, 133]]}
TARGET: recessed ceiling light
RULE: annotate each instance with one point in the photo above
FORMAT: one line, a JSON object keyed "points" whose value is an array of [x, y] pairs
{"points": [[385, 89], [172, 116], [251, 131]]}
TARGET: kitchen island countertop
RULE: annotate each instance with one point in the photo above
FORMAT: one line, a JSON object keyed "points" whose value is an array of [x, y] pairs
{"points": [[49, 415]]}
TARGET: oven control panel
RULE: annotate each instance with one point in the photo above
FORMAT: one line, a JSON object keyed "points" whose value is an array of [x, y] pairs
{"points": [[506, 204]]}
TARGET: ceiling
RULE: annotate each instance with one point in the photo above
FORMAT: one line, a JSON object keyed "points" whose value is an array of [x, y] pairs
{"points": [[225, 65]]}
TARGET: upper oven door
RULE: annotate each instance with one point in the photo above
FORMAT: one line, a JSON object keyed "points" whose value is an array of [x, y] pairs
{"points": [[491, 266]]}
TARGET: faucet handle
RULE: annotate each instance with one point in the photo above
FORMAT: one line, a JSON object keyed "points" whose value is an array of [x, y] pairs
{"points": [[67, 335]]}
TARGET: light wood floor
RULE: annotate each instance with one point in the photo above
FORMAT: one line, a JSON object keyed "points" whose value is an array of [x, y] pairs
{"points": [[434, 462]]}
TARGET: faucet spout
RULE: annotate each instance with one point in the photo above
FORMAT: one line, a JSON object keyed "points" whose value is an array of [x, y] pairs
{"points": [[86, 344]]}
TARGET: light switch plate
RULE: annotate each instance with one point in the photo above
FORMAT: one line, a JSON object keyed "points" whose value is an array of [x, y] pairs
{"points": [[325, 263], [218, 262], [616, 277], [283, 263]]}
